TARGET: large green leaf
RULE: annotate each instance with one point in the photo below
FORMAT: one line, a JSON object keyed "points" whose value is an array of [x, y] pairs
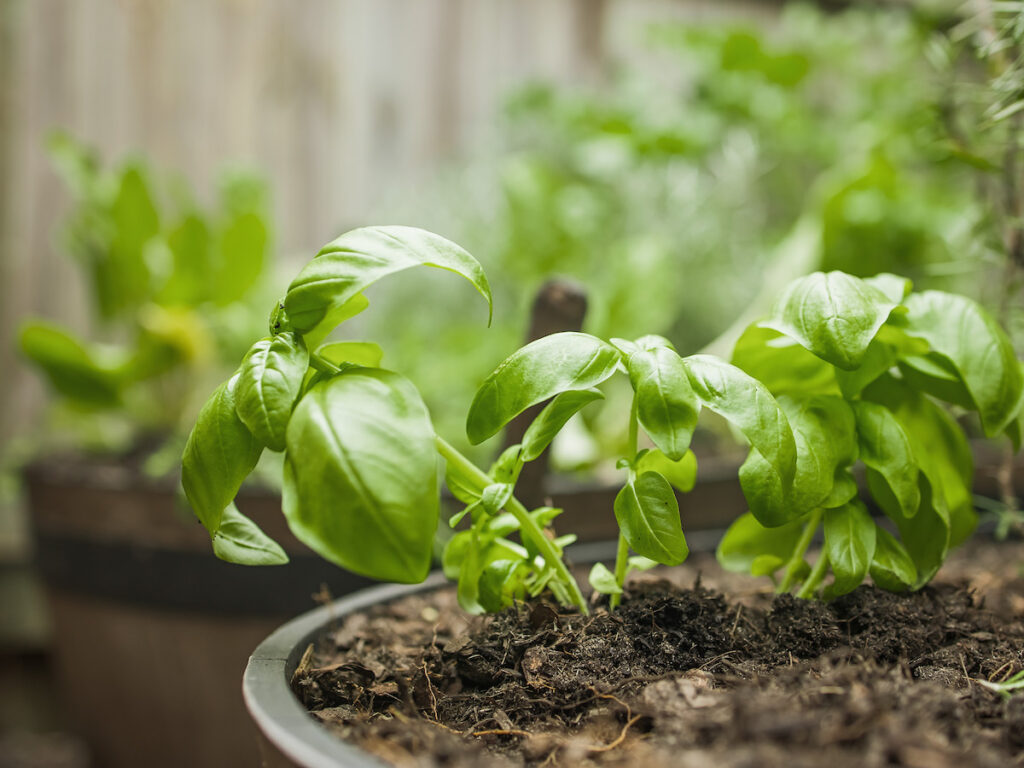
{"points": [[648, 516], [980, 351], [849, 545], [667, 407], [360, 479], [270, 380], [885, 448], [824, 432], [747, 540], [540, 370], [357, 259], [240, 540], [833, 314], [782, 365], [552, 418], [219, 455], [73, 370], [892, 568], [744, 401]]}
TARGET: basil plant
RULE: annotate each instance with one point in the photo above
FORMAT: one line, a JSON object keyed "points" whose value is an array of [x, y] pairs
{"points": [[361, 456], [861, 367]]}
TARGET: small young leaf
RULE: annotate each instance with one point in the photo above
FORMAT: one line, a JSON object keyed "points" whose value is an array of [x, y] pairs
{"points": [[357, 259], [746, 540], [360, 479], [501, 581], [508, 465], [833, 314], [849, 545], [554, 416], [240, 540], [603, 580], [681, 474], [648, 515], [978, 349], [892, 568], [667, 407], [844, 488], [641, 563], [540, 370], [364, 353], [885, 448], [495, 497], [269, 383], [219, 455]]}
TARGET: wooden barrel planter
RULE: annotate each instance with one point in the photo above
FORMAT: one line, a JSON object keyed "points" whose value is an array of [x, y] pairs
{"points": [[150, 631]]}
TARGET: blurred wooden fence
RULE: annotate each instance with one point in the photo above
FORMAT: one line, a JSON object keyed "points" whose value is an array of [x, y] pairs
{"points": [[342, 103]]}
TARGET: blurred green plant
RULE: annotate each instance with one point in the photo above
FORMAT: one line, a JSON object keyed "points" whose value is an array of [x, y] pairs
{"points": [[168, 288], [718, 165]]}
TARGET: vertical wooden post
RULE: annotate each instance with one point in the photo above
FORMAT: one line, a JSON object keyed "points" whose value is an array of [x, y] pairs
{"points": [[560, 305]]}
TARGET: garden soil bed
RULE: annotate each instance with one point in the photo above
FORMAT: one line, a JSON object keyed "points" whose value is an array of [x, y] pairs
{"points": [[709, 669]]}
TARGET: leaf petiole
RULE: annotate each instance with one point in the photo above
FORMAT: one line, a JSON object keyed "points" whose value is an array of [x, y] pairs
{"points": [[793, 566]]}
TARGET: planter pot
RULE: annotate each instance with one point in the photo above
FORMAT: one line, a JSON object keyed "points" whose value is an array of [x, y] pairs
{"points": [[288, 736], [150, 631]]}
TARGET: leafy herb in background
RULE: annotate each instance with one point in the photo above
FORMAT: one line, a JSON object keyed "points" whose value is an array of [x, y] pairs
{"points": [[857, 366], [167, 288], [714, 161]]}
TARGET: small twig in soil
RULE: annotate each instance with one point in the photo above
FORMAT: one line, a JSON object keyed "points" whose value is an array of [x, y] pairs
{"points": [[619, 739], [430, 689]]}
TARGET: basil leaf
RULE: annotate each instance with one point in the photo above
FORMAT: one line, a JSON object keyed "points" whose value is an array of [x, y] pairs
{"points": [[550, 421], [844, 489], [500, 583], [825, 437], [681, 474], [73, 370], [885, 448], [603, 580], [269, 382], [648, 516], [495, 497], [240, 540], [833, 314], [878, 358], [335, 316], [978, 349], [935, 375], [745, 402], [219, 455], [364, 353], [542, 369], [926, 535], [667, 407], [849, 545], [892, 568], [782, 365], [360, 477], [345, 267], [746, 540], [895, 287]]}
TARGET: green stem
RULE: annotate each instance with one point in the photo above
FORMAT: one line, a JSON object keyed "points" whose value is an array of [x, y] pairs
{"points": [[528, 527], [315, 361], [815, 578], [793, 566], [622, 554]]}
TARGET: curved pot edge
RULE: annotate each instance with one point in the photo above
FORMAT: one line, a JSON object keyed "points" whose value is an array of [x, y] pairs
{"points": [[267, 692]]}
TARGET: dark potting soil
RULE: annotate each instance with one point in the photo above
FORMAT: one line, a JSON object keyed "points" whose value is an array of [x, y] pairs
{"points": [[684, 676]]}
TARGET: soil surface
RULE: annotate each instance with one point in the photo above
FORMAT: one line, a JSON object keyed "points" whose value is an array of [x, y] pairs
{"points": [[710, 669]]}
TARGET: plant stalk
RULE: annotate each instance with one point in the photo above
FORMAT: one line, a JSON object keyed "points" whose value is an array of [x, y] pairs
{"points": [[622, 553], [815, 578], [793, 566], [527, 525]]}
